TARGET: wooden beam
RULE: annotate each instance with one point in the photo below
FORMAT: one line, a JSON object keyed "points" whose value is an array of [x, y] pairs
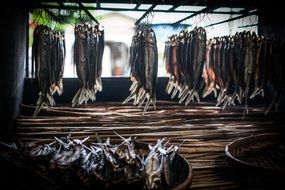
{"points": [[174, 7], [53, 15], [87, 12], [205, 10], [70, 7], [232, 19], [137, 6], [60, 4], [98, 5], [249, 25]]}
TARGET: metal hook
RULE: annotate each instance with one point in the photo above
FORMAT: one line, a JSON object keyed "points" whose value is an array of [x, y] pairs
{"points": [[149, 17], [203, 20]]}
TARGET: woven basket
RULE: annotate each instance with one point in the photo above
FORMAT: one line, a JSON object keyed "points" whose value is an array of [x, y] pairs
{"points": [[181, 169], [264, 152]]}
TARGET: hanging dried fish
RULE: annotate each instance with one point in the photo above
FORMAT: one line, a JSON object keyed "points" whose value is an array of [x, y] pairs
{"points": [[184, 59], [209, 74], [237, 60], [250, 57], [172, 66], [58, 62], [200, 49], [227, 66], [48, 56], [277, 76], [228, 73], [143, 63], [88, 54]]}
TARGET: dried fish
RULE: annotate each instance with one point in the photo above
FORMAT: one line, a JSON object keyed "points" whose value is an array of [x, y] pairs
{"points": [[75, 161], [233, 61], [184, 59], [143, 62], [48, 54], [88, 54]]}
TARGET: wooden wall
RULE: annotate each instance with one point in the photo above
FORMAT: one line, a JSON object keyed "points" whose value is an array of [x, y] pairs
{"points": [[14, 39]]}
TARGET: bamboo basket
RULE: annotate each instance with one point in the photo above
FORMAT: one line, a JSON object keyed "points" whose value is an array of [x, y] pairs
{"points": [[181, 169], [263, 152]]}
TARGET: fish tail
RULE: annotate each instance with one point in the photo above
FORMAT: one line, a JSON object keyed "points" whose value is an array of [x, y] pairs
{"points": [[270, 106], [182, 91], [83, 96], [75, 98], [254, 93], [196, 95], [190, 98], [38, 109], [147, 104], [184, 95], [133, 86], [170, 87], [130, 97], [206, 92], [176, 87], [139, 95], [99, 85], [154, 102], [142, 100]]}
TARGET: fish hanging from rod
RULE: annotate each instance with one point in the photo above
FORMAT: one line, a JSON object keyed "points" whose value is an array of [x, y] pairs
{"points": [[48, 55], [233, 68], [184, 59], [88, 55], [143, 62]]}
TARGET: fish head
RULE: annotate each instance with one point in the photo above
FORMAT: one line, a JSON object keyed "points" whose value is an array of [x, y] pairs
{"points": [[150, 36]]}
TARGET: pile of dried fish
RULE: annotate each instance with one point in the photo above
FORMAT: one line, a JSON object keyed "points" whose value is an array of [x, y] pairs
{"points": [[232, 62], [88, 54], [184, 59], [98, 162], [143, 63], [48, 56]]}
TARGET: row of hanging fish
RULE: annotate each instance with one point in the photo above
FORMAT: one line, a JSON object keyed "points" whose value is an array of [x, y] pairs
{"points": [[143, 62], [232, 68], [229, 67], [89, 163], [269, 70], [88, 55], [48, 54], [184, 58], [240, 67]]}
